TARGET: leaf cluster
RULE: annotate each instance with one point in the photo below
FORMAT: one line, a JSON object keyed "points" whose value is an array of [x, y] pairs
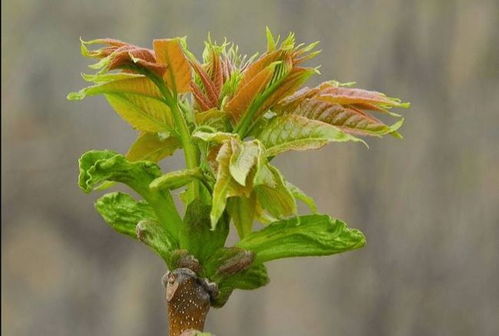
{"points": [[231, 115]]}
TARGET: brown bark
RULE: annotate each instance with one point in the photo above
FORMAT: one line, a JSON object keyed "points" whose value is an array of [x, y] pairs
{"points": [[188, 299]]}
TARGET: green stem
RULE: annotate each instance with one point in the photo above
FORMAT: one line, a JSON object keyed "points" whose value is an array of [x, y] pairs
{"points": [[190, 150]]}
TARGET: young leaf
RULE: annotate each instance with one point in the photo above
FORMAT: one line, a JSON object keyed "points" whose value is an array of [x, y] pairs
{"points": [[349, 96], [97, 167], [347, 118], [100, 166], [211, 117], [225, 185], [109, 77], [212, 92], [242, 211], [158, 238], [294, 132], [289, 84], [123, 213], [300, 195], [272, 193], [178, 74], [253, 69], [121, 55], [137, 100], [216, 137], [244, 158], [152, 147], [271, 42], [312, 235], [176, 179], [196, 235], [247, 93], [252, 278]]}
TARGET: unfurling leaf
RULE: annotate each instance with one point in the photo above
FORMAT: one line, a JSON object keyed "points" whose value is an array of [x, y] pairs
{"points": [[312, 235], [121, 55], [243, 159], [152, 147], [272, 194], [178, 74], [123, 213], [137, 100], [225, 186], [294, 132]]}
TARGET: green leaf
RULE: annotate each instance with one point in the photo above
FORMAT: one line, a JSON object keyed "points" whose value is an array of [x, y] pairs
{"points": [[176, 179], [242, 211], [300, 195], [271, 42], [109, 77], [272, 193], [244, 158], [160, 240], [100, 166], [122, 212], [152, 147], [225, 185], [97, 167], [252, 278], [136, 100], [294, 132], [138, 220], [197, 236], [312, 235]]}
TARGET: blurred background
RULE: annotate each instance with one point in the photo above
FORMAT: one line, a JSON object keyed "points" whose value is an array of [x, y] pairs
{"points": [[429, 204]]}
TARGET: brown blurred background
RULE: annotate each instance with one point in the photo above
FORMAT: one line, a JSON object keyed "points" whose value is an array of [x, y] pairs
{"points": [[429, 204]]}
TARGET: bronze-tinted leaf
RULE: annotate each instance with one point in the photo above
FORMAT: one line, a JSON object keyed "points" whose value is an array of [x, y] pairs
{"points": [[247, 93], [178, 74]]}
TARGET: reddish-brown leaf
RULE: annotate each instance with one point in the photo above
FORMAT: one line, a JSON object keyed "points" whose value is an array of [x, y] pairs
{"points": [[209, 87], [217, 72], [245, 95], [201, 100], [131, 55], [348, 119], [349, 96], [290, 84], [256, 67], [178, 74]]}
